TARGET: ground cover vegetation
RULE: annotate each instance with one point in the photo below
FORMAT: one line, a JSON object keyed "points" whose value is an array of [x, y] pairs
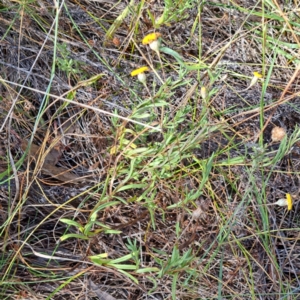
{"points": [[149, 149]]}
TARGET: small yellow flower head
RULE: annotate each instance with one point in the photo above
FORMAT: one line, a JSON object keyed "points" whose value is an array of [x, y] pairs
{"points": [[254, 79], [140, 73], [258, 75], [152, 40], [151, 37], [288, 201]]}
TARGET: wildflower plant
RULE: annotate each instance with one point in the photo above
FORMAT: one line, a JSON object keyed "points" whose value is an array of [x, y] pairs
{"points": [[152, 39], [174, 169], [287, 201], [140, 73], [256, 76], [141, 76]]}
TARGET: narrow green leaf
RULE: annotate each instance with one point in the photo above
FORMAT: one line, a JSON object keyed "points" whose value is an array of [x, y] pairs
{"points": [[122, 267], [71, 222], [129, 276], [147, 270], [133, 186], [73, 235], [112, 231], [121, 259]]}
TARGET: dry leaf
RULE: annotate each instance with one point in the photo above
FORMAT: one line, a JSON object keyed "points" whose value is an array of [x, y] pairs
{"points": [[49, 163]]}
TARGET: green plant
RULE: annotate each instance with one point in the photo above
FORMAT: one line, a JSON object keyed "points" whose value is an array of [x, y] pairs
{"points": [[88, 230], [174, 11], [174, 266], [65, 63]]}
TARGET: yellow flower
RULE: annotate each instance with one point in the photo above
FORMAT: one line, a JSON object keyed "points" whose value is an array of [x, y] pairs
{"points": [[254, 79], [140, 73], [258, 75], [289, 201], [151, 37]]}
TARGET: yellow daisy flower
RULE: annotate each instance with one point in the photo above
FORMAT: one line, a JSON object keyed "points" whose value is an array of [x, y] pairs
{"points": [[151, 37], [289, 201], [140, 73], [254, 80], [258, 75]]}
